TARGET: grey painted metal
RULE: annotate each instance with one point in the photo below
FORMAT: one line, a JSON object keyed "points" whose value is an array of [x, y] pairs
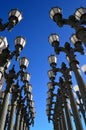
{"points": [[61, 123], [4, 111], [80, 82], [11, 120], [57, 125], [18, 120], [68, 116], [24, 126], [21, 123], [75, 110], [64, 121]]}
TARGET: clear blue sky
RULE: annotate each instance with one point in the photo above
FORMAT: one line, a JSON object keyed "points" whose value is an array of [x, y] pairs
{"points": [[36, 26]]}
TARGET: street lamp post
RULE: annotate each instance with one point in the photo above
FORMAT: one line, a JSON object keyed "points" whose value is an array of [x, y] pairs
{"points": [[54, 41], [13, 91], [18, 115], [79, 102], [15, 97], [10, 80], [15, 16], [76, 21], [67, 85]]}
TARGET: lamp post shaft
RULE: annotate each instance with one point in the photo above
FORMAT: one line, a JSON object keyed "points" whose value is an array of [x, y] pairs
{"points": [[68, 116], [17, 120], [57, 125], [4, 111], [11, 121], [64, 121], [61, 123], [81, 84], [21, 123], [24, 126], [75, 110]]}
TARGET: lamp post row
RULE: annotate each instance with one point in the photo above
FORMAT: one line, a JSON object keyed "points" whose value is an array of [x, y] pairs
{"points": [[17, 110], [56, 112]]}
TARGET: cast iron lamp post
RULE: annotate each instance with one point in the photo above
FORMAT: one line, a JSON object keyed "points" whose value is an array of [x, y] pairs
{"points": [[11, 76], [15, 98], [9, 81], [6, 55], [66, 86], [76, 21], [51, 86], [80, 103], [70, 53], [15, 16]]}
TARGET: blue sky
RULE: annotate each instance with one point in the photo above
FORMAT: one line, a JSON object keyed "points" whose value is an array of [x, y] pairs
{"points": [[36, 26]]}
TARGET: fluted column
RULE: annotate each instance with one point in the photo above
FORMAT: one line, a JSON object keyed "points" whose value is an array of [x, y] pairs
{"points": [[68, 116], [18, 116], [80, 82], [64, 121], [11, 120], [4, 111], [24, 126], [75, 110], [61, 123], [21, 123], [57, 125]]}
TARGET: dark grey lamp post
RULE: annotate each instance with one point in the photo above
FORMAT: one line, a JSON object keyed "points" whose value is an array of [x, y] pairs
{"points": [[67, 111], [27, 92], [15, 16], [18, 115], [7, 117], [51, 103], [51, 85], [76, 21], [54, 41], [22, 117], [80, 103], [6, 55], [15, 98], [2, 94], [11, 76], [73, 106], [31, 108], [9, 81], [65, 71], [59, 108]]}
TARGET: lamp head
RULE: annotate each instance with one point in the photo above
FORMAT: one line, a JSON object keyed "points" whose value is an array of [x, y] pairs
{"points": [[26, 77], [30, 96], [74, 39], [31, 103], [56, 14], [19, 45], [28, 88], [15, 16], [54, 40], [24, 62], [77, 43], [48, 100], [3, 43], [50, 85], [84, 68], [51, 75], [80, 14], [52, 60]]}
